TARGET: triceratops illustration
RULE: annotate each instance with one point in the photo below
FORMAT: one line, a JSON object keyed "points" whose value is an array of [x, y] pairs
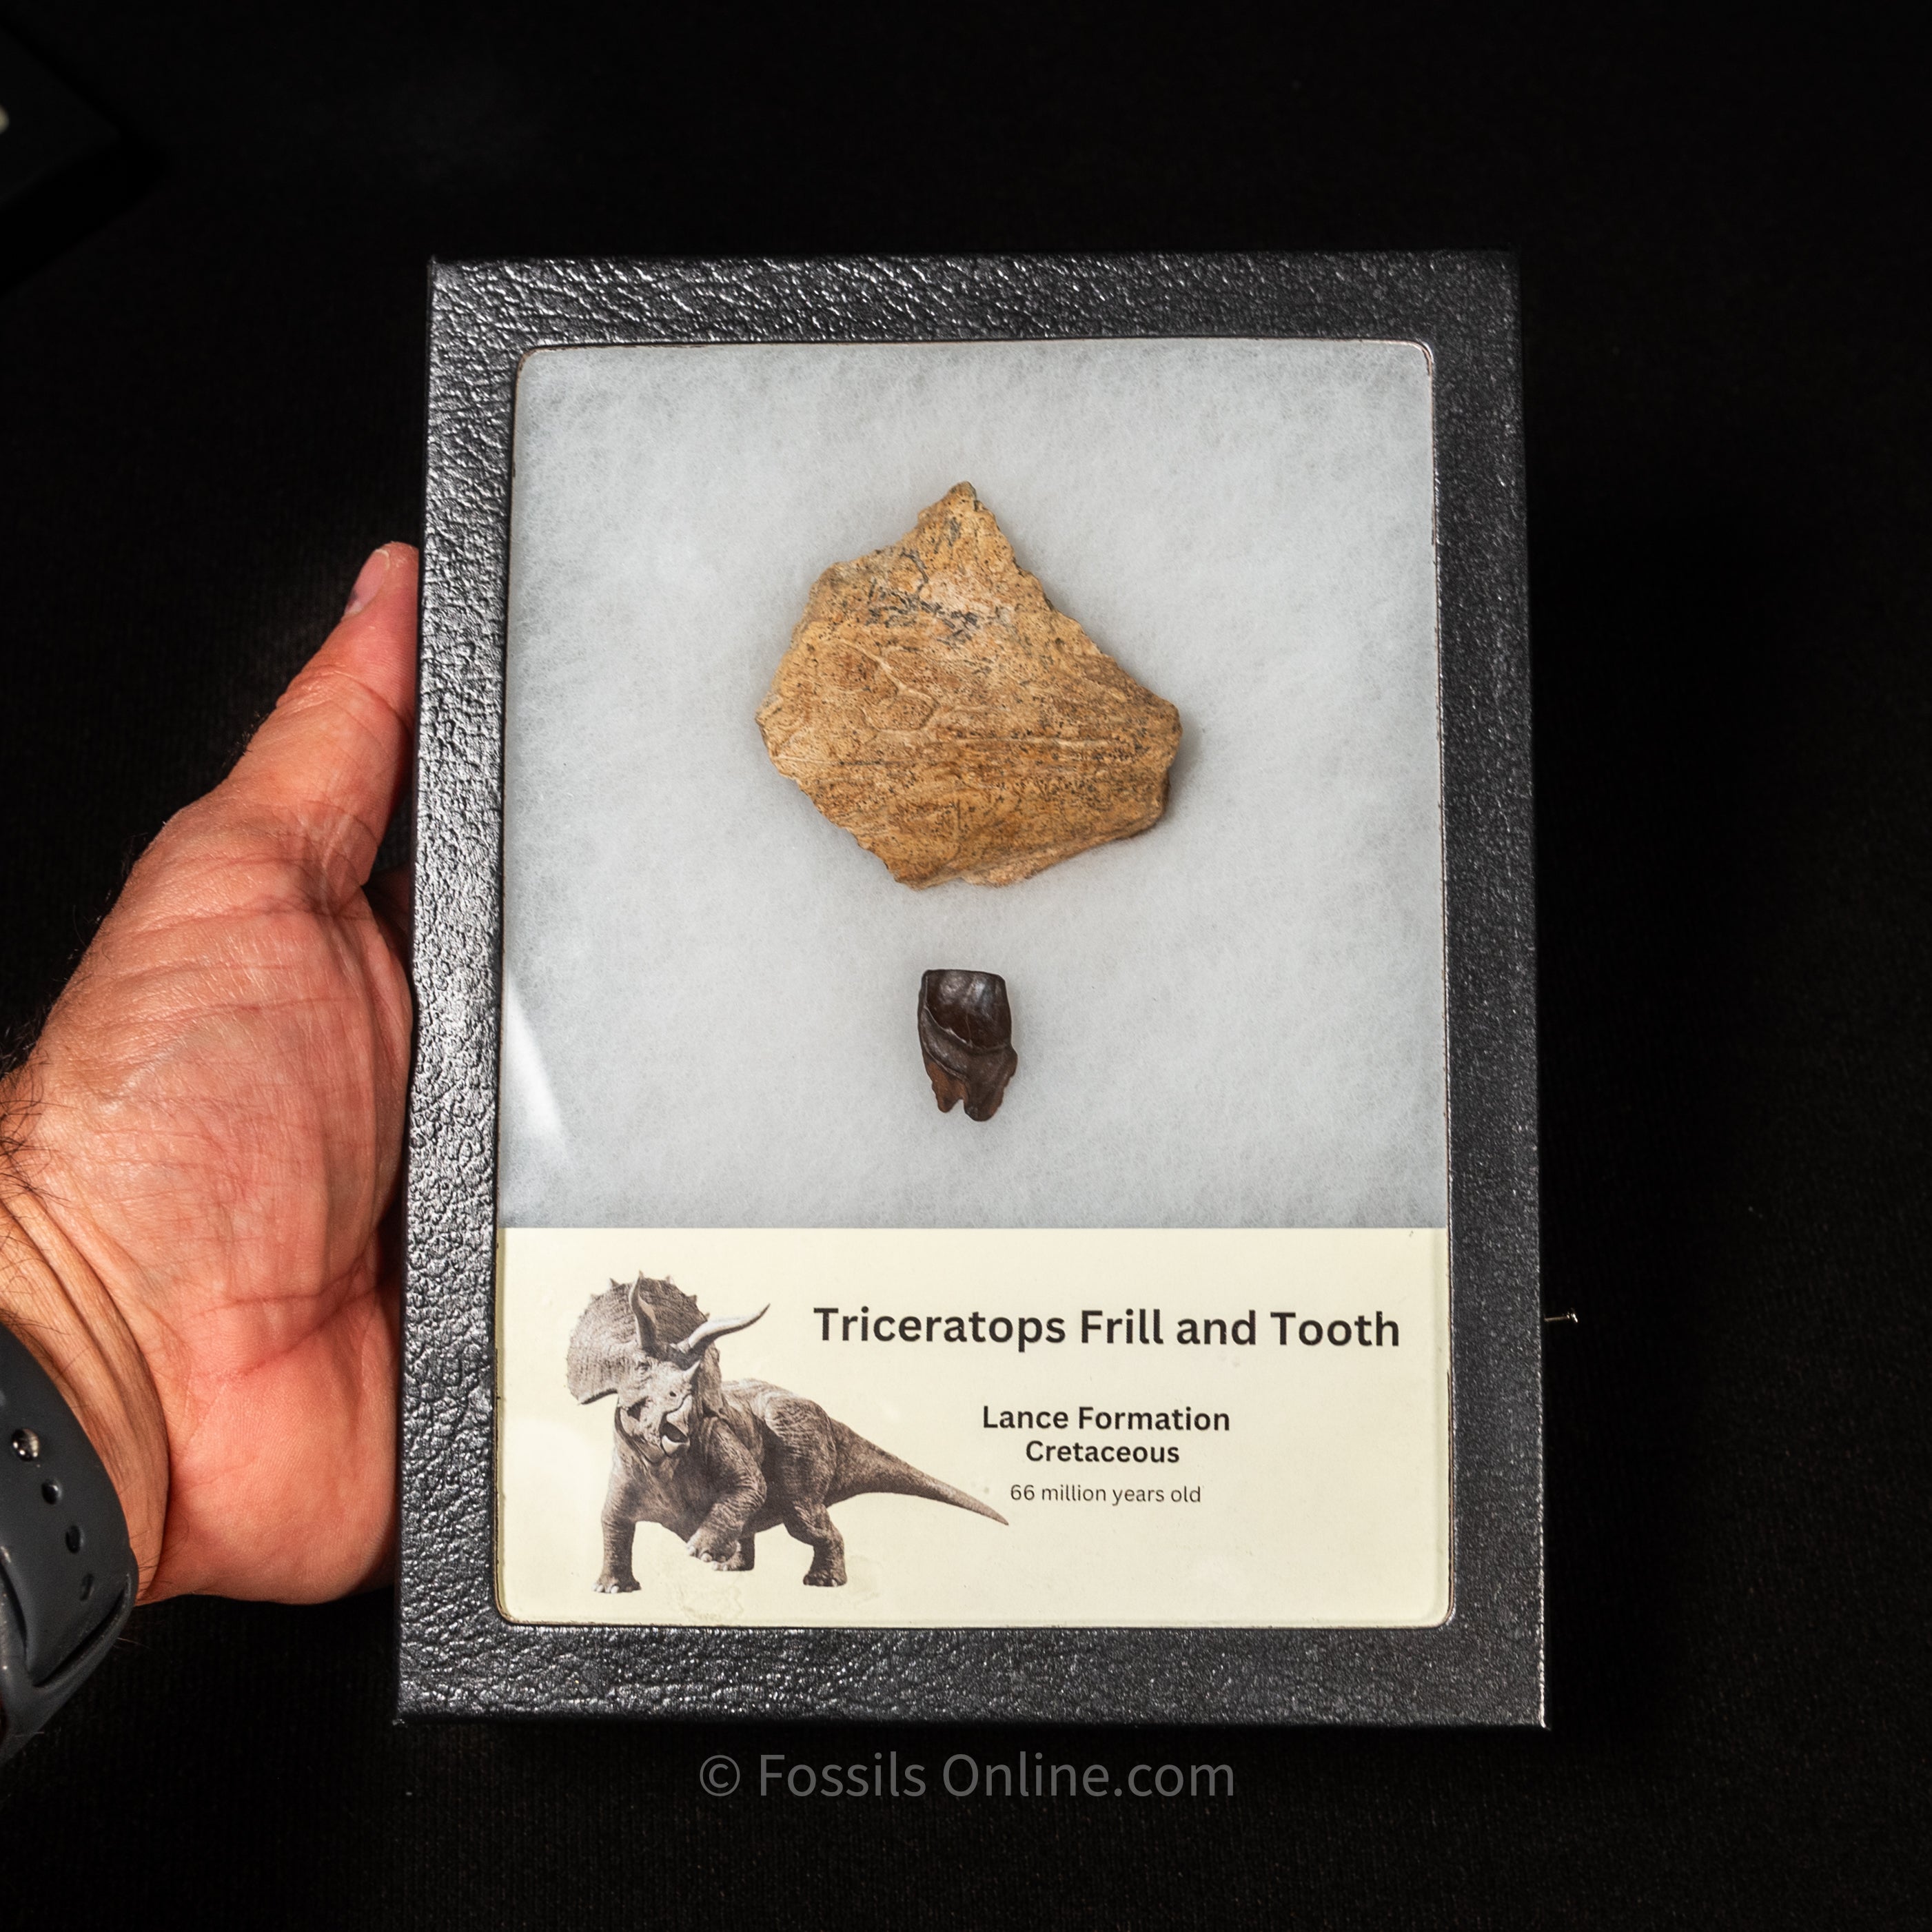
{"points": [[717, 1462]]}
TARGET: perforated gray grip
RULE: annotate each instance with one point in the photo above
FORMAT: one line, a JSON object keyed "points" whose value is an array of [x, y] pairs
{"points": [[67, 1576]]}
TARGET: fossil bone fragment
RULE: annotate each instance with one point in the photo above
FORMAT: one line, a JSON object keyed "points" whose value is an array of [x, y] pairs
{"points": [[966, 1034], [937, 707]]}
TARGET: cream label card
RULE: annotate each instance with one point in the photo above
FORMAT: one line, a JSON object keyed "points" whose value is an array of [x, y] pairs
{"points": [[981, 1427]]}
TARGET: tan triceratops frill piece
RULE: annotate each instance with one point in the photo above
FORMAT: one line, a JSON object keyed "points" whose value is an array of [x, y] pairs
{"points": [[934, 704]]}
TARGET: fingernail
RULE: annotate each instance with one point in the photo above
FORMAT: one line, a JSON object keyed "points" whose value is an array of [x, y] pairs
{"points": [[369, 582]]}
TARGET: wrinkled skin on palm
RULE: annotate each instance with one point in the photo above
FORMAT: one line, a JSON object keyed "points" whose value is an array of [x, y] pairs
{"points": [[714, 1462]]}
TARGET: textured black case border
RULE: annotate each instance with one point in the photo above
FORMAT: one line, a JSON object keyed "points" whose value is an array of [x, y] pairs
{"points": [[457, 1656]]}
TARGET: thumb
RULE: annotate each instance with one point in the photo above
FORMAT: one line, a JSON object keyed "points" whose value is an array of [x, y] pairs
{"points": [[322, 775]]}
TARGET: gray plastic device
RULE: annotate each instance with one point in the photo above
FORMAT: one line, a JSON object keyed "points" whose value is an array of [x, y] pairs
{"points": [[68, 1575]]}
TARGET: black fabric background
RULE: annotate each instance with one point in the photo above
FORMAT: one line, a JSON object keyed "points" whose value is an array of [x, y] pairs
{"points": [[212, 411]]}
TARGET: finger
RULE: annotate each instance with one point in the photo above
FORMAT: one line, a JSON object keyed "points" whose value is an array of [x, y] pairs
{"points": [[323, 774]]}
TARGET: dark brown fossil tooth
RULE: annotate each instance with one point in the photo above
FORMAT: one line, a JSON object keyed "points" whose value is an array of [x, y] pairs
{"points": [[966, 1033]]}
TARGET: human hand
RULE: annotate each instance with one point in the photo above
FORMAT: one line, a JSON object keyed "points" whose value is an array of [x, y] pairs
{"points": [[205, 1141]]}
